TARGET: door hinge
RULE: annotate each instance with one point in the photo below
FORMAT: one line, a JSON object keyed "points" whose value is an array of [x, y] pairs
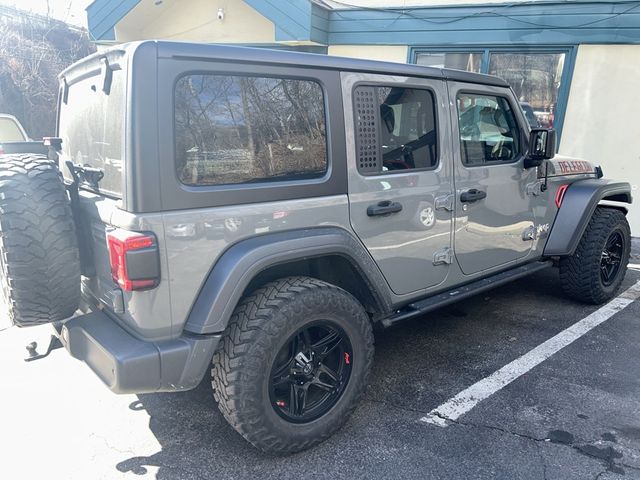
{"points": [[529, 233], [445, 202], [443, 257]]}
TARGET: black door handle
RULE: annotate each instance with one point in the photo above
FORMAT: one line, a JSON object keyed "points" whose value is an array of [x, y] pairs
{"points": [[472, 195], [384, 208]]}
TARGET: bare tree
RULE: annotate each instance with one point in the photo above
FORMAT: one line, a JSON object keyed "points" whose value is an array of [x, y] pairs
{"points": [[34, 49]]}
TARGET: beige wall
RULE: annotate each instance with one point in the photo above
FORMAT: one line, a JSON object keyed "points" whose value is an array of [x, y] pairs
{"points": [[602, 123], [389, 53], [198, 22]]}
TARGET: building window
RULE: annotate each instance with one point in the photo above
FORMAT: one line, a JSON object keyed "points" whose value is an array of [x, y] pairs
{"points": [[240, 129], [539, 78], [469, 61], [489, 131], [535, 78], [396, 129]]}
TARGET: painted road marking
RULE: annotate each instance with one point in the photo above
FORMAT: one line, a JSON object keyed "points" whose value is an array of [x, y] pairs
{"points": [[464, 401]]}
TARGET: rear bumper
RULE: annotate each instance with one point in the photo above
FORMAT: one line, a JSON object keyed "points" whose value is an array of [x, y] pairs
{"points": [[127, 364]]}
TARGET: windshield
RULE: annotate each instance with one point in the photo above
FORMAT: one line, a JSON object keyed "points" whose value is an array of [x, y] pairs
{"points": [[92, 129], [10, 131]]}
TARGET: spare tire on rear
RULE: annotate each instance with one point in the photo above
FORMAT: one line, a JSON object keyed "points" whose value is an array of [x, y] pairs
{"points": [[39, 259]]}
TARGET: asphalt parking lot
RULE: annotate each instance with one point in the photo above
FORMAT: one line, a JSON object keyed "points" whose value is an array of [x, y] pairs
{"points": [[576, 415]]}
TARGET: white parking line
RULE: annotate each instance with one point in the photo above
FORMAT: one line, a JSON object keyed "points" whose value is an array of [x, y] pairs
{"points": [[464, 401]]}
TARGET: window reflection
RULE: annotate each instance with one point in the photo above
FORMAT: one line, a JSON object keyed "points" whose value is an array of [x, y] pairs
{"points": [[236, 129], [535, 78], [470, 62], [488, 129]]}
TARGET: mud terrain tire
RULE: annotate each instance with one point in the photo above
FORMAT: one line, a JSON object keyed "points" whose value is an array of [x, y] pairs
{"points": [[244, 363], [606, 239], [39, 259]]}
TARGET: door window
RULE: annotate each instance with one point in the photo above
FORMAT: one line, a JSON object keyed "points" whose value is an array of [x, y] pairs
{"points": [[488, 129], [396, 129]]}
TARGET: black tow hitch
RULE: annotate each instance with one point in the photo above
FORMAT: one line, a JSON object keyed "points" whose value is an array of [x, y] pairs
{"points": [[54, 343]]}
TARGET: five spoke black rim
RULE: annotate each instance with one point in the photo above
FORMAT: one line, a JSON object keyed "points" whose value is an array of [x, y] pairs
{"points": [[611, 258], [310, 372]]}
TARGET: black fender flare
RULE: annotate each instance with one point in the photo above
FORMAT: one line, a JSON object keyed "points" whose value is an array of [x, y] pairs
{"points": [[240, 263], [578, 204]]}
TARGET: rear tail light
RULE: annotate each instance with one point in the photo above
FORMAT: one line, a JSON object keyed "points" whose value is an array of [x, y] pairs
{"points": [[134, 258], [562, 189]]}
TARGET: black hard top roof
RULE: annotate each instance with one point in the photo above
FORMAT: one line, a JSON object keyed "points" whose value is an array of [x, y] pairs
{"points": [[300, 59], [231, 54]]}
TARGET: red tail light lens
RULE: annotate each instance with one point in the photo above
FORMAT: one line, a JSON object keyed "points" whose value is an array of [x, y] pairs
{"points": [[134, 259], [562, 189]]}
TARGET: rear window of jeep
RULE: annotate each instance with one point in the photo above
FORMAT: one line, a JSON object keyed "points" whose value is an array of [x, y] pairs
{"points": [[243, 129]]}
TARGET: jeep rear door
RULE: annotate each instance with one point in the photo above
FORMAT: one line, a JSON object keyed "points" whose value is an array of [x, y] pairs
{"points": [[494, 212], [400, 178]]}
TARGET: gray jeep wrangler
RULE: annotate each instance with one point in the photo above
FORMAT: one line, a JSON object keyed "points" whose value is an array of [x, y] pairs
{"points": [[255, 214]]}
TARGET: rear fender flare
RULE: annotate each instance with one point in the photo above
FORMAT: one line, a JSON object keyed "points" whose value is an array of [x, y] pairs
{"points": [[578, 204], [240, 263]]}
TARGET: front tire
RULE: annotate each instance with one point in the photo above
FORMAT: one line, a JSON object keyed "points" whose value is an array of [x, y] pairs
{"points": [[294, 343], [594, 273]]}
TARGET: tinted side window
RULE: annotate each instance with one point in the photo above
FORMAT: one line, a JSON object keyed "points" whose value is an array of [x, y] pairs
{"points": [[395, 129], [488, 129], [239, 129]]}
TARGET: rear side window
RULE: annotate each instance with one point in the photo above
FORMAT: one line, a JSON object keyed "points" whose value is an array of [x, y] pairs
{"points": [[395, 129], [242, 129], [91, 126], [488, 130]]}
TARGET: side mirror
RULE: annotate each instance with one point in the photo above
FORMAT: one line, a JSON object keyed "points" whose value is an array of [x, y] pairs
{"points": [[542, 146]]}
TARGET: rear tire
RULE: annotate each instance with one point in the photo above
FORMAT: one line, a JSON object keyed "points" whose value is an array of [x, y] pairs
{"points": [[594, 273], [263, 345], [39, 259]]}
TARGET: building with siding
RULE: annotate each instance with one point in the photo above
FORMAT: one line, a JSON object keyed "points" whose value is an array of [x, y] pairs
{"points": [[574, 64]]}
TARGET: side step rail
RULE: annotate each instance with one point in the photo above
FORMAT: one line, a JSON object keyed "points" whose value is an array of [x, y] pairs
{"points": [[450, 296]]}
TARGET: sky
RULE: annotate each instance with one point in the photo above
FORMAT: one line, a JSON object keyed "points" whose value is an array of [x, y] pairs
{"points": [[70, 11]]}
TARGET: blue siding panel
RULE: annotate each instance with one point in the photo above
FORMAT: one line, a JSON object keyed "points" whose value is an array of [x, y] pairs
{"points": [[292, 18], [530, 23], [103, 15], [488, 37], [319, 24]]}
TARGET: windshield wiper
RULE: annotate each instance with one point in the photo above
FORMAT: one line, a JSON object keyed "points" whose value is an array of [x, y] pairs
{"points": [[85, 174]]}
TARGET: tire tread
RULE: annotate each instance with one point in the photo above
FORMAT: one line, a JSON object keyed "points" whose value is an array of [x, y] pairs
{"points": [[253, 325], [580, 272], [38, 241]]}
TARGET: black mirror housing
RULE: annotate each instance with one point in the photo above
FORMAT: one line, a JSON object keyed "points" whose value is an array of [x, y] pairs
{"points": [[542, 146]]}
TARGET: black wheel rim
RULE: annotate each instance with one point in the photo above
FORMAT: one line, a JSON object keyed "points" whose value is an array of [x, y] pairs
{"points": [[310, 372], [611, 258]]}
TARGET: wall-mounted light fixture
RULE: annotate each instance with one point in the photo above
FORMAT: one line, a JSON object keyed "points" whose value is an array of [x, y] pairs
{"points": [[220, 14]]}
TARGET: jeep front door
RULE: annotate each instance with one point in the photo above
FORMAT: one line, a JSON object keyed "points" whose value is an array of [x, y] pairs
{"points": [[400, 179], [494, 214]]}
